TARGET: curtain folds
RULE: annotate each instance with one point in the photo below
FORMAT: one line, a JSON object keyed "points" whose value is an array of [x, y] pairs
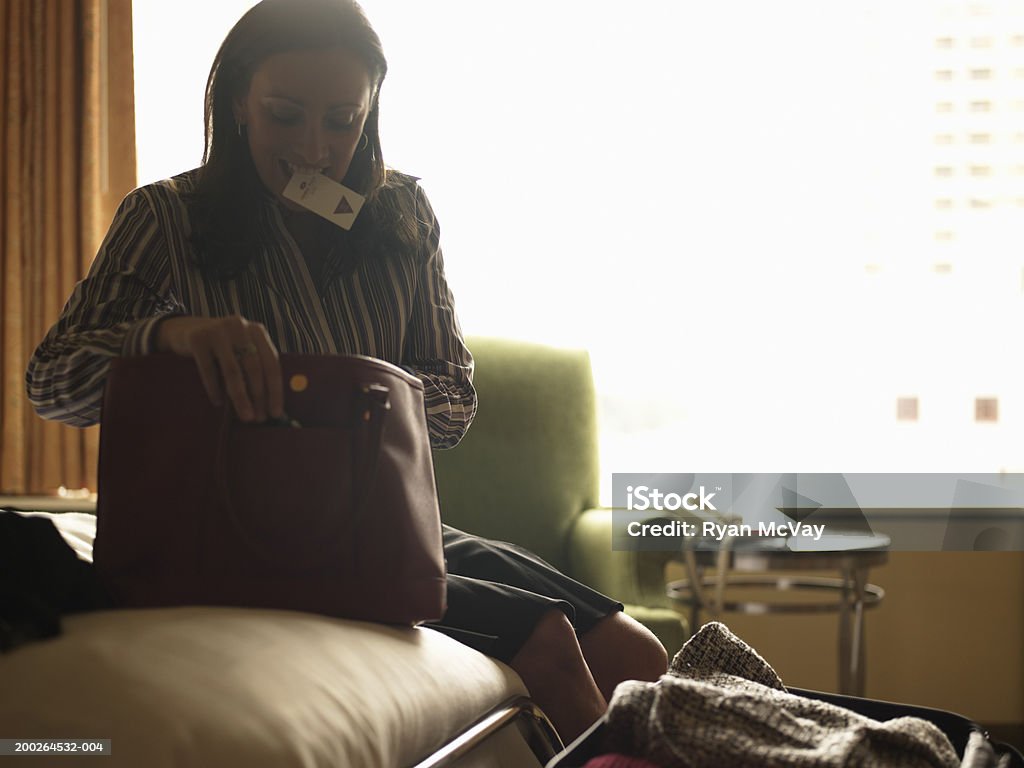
{"points": [[67, 158]]}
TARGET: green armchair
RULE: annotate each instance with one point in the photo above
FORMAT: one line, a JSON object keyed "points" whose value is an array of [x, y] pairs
{"points": [[527, 472]]}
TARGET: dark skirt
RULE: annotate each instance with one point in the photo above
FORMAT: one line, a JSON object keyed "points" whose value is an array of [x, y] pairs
{"points": [[497, 592]]}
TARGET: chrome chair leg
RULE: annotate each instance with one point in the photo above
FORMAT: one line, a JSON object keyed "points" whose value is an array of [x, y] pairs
{"points": [[540, 734]]}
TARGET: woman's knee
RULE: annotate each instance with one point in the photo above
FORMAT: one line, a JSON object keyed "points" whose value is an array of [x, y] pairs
{"points": [[621, 647], [551, 641]]}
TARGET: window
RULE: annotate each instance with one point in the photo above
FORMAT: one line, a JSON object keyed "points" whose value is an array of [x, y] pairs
{"points": [[674, 222]]}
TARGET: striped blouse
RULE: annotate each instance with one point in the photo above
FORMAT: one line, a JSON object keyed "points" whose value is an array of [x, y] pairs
{"points": [[397, 309]]}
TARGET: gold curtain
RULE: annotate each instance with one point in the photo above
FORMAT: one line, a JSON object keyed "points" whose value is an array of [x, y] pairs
{"points": [[67, 158]]}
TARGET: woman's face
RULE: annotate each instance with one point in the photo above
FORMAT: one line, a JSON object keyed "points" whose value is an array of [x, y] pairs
{"points": [[305, 110]]}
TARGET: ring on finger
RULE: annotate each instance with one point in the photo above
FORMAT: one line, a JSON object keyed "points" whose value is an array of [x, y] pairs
{"points": [[245, 350]]}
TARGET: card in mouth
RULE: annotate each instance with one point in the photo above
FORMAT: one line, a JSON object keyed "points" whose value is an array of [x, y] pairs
{"points": [[326, 197]]}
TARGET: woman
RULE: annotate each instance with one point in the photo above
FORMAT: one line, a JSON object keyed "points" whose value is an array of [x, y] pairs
{"points": [[219, 265]]}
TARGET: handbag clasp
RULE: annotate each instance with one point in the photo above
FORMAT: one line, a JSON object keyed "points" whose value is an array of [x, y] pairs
{"points": [[378, 398]]}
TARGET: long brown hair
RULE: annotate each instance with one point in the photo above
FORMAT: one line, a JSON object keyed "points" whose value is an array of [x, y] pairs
{"points": [[228, 190]]}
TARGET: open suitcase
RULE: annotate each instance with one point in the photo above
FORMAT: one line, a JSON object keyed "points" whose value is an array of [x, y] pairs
{"points": [[956, 727]]}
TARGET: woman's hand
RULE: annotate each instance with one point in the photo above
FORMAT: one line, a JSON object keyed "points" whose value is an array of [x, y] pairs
{"points": [[234, 356]]}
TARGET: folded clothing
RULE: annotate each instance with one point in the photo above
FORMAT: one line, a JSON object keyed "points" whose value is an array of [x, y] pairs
{"points": [[41, 577], [722, 704], [618, 761]]}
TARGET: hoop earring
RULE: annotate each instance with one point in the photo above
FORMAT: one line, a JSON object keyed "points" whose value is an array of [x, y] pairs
{"points": [[240, 126], [365, 143]]}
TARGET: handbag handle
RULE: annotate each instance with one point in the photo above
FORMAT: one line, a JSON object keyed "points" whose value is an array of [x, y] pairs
{"points": [[374, 404]]}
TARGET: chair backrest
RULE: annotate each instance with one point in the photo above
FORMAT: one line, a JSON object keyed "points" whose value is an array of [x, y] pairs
{"points": [[529, 463]]}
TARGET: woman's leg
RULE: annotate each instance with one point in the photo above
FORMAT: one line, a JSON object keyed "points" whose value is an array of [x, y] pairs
{"points": [[555, 672], [494, 588], [620, 648]]}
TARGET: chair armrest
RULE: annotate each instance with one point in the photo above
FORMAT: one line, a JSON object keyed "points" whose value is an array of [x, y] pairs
{"points": [[636, 579], [627, 576]]}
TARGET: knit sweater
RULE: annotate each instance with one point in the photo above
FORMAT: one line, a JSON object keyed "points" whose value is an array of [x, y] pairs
{"points": [[722, 704]]}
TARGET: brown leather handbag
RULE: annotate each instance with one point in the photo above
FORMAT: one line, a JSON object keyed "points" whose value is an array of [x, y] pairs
{"points": [[334, 513]]}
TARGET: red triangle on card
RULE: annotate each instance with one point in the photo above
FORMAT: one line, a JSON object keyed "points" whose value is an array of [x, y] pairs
{"points": [[343, 206]]}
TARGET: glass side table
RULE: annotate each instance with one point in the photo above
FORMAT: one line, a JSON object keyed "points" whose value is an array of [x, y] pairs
{"points": [[766, 565]]}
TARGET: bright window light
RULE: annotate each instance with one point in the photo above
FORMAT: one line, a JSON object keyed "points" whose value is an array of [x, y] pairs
{"points": [[734, 206]]}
